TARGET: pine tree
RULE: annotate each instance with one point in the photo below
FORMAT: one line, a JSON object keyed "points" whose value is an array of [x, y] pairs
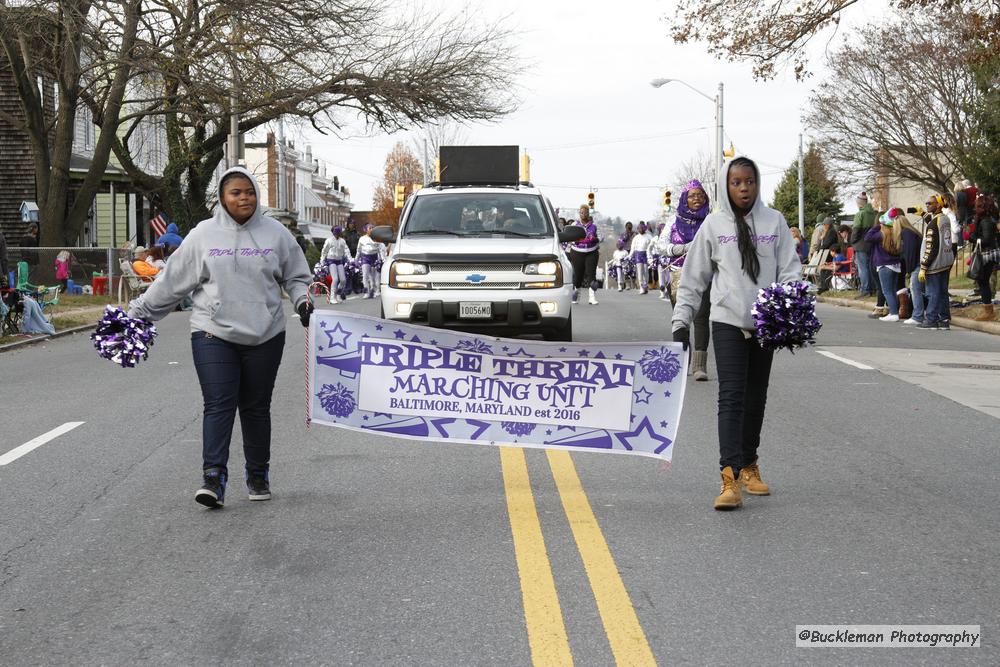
{"points": [[820, 191]]}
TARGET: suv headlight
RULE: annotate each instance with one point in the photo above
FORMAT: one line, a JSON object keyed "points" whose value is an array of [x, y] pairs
{"points": [[403, 270], [409, 269], [542, 268], [545, 275]]}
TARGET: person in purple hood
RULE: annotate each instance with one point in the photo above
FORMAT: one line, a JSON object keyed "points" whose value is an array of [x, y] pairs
{"points": [[691, 212], [583, 256]]}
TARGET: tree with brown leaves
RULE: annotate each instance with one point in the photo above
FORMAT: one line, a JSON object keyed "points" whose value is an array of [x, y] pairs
{"points": [[401, 168]]}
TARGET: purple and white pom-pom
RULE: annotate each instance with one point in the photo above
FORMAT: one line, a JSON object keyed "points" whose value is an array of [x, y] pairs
{"points": [[122, 339], [321, 271], [785, 316]]}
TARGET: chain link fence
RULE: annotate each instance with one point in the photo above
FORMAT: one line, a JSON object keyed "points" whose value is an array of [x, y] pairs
{"points": [[75, 270]]}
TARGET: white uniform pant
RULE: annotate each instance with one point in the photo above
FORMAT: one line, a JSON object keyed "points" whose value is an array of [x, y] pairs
{"points": [[370, 278], [338, 278]]}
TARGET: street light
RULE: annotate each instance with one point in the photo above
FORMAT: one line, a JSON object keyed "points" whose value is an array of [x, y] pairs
{"points": [[656, 83]]}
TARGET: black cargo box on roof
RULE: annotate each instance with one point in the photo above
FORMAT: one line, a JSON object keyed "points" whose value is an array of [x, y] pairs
{"points": [[479, 165]]}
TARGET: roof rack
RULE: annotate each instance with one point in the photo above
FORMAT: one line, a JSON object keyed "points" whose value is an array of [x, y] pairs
{"points": [[478, 184]]}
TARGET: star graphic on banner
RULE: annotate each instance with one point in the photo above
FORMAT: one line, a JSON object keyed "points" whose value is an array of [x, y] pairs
{"points": [[505, 348], [583, 353], [562, 349], [642, 395], [322, 324], [663, 424], [666, 394], [399, 334], [320, 348], [643, 433], [548, 431], [378, 327], [365, 418], [338, 336], [415, 340], [521, 352], [434, 342], [631, 418], [618, 356]]}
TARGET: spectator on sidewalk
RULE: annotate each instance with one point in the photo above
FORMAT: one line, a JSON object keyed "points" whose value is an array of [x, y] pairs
{"points": [[984, 232], [801, 247], [28, 242], [171, 240], [828, 241], [142, 268], [886, 257], [935, 265], [62, 268], [864, 219], [4, 266], [910, 241]]}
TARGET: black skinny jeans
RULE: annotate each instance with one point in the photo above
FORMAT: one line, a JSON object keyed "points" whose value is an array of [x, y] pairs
{"points": [[584, 267], [701, 332], [236, 377], [984, 282], [744, 369]]}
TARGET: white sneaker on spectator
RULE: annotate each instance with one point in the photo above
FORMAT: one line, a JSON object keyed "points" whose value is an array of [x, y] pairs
{"points": [[911, 321], [889, 318]]}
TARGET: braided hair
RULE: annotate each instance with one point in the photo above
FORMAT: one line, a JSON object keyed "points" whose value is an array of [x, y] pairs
{"points": [[749, 261]]}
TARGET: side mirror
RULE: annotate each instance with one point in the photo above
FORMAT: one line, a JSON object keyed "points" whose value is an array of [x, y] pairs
{"points": [[571, 234], [383, 234]]}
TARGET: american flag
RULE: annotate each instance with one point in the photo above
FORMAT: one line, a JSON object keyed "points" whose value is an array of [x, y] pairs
{"points": [[159, 226]]}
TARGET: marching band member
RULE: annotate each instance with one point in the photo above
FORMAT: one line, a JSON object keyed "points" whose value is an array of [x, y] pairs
{"points": [[336, 255], [369, 253], [640, 247]]}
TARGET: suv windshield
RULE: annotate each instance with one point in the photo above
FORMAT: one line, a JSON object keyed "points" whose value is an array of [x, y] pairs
{"points": [[486, 214]]}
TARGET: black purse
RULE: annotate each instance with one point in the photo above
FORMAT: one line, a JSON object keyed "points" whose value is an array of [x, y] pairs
{"points": [[976, 264]]}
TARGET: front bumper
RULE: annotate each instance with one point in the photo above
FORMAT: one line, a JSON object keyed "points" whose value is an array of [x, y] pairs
{"points": [[515, 311]]}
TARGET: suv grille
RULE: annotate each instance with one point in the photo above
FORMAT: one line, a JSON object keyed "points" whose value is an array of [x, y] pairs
{"points": [[483, 285], [476, 267]]}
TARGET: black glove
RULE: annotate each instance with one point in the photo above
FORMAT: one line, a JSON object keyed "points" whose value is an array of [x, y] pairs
{"points": [[304, 309], [683, 336]]}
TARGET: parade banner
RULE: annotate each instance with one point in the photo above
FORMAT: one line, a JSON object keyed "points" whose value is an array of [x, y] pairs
{"points": [[379, 376]]}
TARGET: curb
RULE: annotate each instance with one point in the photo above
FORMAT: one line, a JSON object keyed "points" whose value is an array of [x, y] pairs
{"points": [[964, 322], [39, 339]]}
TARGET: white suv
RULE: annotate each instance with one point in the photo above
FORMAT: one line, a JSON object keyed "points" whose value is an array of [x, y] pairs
{"points": [[482, 259]]}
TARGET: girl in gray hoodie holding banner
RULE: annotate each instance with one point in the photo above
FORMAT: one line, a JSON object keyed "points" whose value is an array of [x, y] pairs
{"points": [[740, 248], [235, 266]]}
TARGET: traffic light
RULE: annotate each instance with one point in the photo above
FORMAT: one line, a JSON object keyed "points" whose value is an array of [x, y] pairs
{"points": [[400, 195], [590, 199], [666, 199]]}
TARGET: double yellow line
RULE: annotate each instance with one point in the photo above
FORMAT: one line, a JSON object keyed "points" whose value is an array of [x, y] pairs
{"points": [[543, 615]]}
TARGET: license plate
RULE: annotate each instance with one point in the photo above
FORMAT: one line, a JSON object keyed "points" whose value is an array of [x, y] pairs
{"points": [[479, 310]]}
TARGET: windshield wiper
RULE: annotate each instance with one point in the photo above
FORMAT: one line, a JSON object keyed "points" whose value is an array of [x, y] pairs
{"points": [[433, 231], [511, 232]]}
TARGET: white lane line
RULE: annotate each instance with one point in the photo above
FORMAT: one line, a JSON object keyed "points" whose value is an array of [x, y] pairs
{"points": [[18, 452], [844, 360]]}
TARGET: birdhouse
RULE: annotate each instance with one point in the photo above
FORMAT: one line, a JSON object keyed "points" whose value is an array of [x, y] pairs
{"points": [[29, 211]]}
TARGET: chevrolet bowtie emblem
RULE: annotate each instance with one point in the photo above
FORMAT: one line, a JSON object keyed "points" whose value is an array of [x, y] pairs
{"points": [[475, 278]]}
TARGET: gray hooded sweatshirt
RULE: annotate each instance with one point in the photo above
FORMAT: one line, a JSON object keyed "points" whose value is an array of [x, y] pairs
{"points": [[235, 274], [714, 259]]}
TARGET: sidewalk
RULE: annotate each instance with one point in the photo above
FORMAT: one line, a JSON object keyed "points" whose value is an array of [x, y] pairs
{"points": [[959, 317], [78, 314]]}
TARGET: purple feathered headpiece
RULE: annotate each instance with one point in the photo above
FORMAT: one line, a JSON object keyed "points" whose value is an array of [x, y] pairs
{"points": [[641, 228], [621, 244], [337, 231]]}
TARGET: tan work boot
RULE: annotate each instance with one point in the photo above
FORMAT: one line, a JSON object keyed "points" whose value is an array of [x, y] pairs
{"points": [[729, 497], [751, 481], [986, 315], [699, 363]]}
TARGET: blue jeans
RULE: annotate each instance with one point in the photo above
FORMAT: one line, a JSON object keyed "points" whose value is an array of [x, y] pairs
{"points": [[236, 376], [937, 297], [862, 260], [887, 277], [918, 293]]}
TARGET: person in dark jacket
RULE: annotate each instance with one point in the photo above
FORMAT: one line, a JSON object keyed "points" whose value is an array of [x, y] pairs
{"points": [[936, 259], [910, 241], [984, 233], [4, 267], [863, 221], [29, 241], [351, 236], [828, 241]]}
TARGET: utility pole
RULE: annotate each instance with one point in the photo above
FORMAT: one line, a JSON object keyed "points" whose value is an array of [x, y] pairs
{"points": [[719, 158], [281, 164], [802, 192], [233, 144]]}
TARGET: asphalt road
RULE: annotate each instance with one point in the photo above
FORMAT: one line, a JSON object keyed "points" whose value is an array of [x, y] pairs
{"points": [[381, 551]]}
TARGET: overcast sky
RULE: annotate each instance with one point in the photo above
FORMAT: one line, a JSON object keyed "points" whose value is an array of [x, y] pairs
{"points": [[588, 83]]}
